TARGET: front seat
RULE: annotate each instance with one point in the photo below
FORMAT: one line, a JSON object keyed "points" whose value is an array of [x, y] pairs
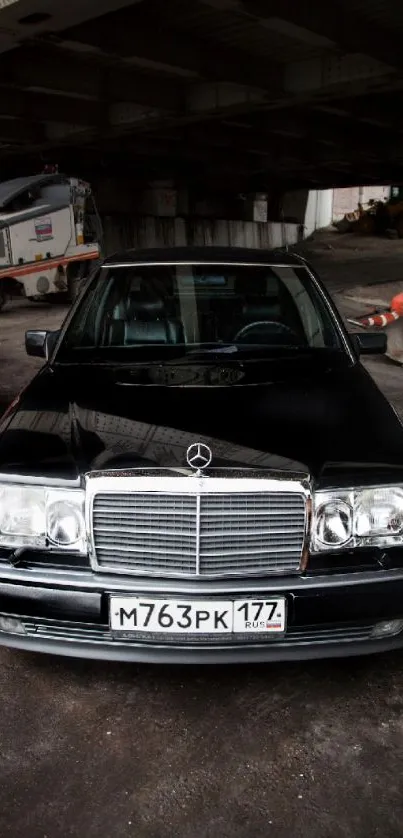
{"points": [[145, 321]]}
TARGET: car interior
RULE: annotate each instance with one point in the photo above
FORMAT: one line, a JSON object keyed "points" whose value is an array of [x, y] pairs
{"points": [[240, 308]]}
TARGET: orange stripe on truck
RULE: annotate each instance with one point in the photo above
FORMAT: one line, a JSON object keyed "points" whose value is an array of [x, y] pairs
{"points": [[46, 265]]}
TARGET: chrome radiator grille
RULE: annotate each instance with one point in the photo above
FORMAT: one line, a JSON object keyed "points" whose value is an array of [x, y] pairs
{"points": [[209, 534]]}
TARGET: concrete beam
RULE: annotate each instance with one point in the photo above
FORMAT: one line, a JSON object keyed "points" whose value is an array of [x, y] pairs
{"points": [[379, 111], [54, 70], [21, 132], [65, 132], [113, 115], [125, 114], [205, 98], [257, 152], [320, 128], [98, 93], [178, 150], [350, 30], [43, 107], [134, 33], [321, 78], [324, 73]]}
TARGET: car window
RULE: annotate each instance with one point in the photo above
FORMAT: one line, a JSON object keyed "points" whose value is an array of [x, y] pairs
{"points": [[204, 306]]}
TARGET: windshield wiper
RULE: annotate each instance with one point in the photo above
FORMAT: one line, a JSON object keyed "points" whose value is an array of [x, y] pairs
{"points": [[181, 354], [240, 351], [220, 349]]}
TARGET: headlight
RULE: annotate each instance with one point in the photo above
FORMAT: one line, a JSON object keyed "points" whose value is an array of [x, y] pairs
{"points": [[334, 523], [64, 522], [378, 513], [22, 516], [357, 518], [40, 517]]}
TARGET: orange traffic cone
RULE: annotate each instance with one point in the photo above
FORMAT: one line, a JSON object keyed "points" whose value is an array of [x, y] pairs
{"points": [[397, 304]]}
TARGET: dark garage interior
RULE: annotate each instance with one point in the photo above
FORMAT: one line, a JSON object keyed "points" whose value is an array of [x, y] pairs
{"points": [[220, 94], [194, 114]]}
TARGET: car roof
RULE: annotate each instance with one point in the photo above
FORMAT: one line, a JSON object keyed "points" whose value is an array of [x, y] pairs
{"points": [[205, 254]]}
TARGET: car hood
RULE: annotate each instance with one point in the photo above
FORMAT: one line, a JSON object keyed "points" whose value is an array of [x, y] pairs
{"points": [[305, 414]]}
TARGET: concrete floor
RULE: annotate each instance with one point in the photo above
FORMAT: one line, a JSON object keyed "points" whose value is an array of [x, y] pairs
{"points": [[309, 750]]}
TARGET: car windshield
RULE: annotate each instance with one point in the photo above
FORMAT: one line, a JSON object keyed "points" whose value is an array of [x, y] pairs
{"points": [[160, 311]]}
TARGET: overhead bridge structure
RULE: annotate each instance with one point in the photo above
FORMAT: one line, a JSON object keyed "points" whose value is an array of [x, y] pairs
{"points": [[221, 93]]}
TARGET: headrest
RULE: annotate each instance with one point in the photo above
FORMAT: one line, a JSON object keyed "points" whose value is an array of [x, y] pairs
{"points": [[144, 304]]}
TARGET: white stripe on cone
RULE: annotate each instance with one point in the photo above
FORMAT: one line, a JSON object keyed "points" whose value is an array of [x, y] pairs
{"points": [[380, 319]]}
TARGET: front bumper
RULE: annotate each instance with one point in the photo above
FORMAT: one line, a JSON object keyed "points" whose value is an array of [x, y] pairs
{"points": [[66, 612]]}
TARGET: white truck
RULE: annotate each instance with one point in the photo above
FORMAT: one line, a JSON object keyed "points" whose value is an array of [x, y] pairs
{"points": [[50, 235]]}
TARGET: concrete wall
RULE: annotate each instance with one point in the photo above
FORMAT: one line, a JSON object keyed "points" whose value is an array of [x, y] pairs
{"points": [[159, 215], [125, 231], [311, 208], [318, 211], [347, 200]]}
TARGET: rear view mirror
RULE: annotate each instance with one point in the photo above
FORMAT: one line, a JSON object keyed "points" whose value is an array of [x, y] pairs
{"points": [[40, 344], [370, 343]]}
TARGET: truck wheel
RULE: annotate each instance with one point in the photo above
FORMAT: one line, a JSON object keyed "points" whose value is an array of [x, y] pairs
{"points": [[38, 298], [77, 272], [399, 225], [3, 298]]}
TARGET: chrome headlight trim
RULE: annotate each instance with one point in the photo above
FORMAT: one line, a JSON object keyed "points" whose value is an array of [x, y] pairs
{"points": [[27, 518], [376, 517]]}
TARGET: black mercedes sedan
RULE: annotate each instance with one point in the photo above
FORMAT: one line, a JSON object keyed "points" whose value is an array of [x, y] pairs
{"points": [[202, 471]]}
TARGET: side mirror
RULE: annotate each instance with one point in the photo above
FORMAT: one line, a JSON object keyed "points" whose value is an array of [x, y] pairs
{"points": [[370, 343], [40, 344]]}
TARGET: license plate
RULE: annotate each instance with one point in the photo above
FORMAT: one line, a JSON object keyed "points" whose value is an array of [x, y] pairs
{"points": [[170, 616]]}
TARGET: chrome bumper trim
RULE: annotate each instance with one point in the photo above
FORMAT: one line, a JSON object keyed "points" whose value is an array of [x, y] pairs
{"points": [[147, 653], [87, 580]]}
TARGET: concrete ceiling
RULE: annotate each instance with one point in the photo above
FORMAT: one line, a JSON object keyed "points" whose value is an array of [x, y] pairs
{"points": [[231, 93]]}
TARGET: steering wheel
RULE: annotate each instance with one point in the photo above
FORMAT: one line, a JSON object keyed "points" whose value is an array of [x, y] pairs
{"points": [[277, 330]]}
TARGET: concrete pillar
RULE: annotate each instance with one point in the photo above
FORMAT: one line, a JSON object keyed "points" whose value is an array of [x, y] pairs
{"points": [[310, 208], [256, 207]]}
